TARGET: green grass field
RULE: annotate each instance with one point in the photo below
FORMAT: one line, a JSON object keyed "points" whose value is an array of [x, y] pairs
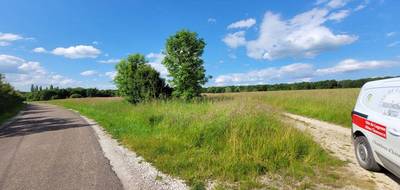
{"points": [[232, 139], [332, 105]]}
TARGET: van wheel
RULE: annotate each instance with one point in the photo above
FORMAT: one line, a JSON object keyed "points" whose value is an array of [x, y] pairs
{"points": [[365, 155]]}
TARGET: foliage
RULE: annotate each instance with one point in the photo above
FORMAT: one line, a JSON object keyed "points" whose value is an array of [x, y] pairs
{"points": [[10, 100], [228, 139], [326, 84], [76, 96], [184, 63], [38, 93], [137, 81]]}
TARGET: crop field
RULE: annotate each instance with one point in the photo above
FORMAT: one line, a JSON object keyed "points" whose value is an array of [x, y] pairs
{"points": [[236, 140]]}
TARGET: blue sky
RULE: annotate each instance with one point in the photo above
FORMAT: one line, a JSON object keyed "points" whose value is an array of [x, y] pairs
{"points": [[77, 43]]}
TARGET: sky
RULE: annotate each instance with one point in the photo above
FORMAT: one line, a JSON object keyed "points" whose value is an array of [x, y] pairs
{"points": [[71, 43]]}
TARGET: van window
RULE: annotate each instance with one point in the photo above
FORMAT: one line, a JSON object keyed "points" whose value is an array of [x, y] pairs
{"points": [[385, 101]]}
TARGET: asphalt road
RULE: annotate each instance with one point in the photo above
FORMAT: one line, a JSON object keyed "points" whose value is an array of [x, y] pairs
{"points": [[47, 147]]}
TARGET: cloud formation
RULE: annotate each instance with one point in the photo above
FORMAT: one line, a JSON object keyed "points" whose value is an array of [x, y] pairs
{"points": [[156, 62], [77, 52], [300, 72], [7, 38], [89, 73], [247, 23], [352, 65], [39, 50], [21, 73], [304, 35], [109, 61], [234, 40]]}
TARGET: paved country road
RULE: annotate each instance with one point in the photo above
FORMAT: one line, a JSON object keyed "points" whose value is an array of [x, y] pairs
{"points": [[47, 147]]}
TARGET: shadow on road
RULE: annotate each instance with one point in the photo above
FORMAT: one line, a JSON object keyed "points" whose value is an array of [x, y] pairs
{"points": [[37, 119]]}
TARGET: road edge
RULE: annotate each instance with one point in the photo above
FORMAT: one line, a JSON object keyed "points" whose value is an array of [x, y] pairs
{"points": [[132, 170]]}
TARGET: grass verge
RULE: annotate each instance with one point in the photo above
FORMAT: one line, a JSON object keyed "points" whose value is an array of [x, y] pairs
{"points": [[234, 141], [10, 113], [331, 105]]}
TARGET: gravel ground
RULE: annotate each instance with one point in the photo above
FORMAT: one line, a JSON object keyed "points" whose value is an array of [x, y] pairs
{"points": [[133, 171], [337, 140]]}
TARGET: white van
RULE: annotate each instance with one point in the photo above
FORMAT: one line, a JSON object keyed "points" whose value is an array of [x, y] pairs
{"points": [[376, 126]]}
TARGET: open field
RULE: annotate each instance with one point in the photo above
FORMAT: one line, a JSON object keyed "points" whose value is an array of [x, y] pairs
{"points": [[239, 140], [331, 105]]}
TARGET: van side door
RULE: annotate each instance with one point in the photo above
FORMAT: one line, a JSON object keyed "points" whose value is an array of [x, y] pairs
{"points": [[384, 123]]}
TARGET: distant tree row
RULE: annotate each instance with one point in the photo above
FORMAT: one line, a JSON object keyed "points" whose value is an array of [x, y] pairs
{"points": [[326, 84], [9, 98], [38, 93]]}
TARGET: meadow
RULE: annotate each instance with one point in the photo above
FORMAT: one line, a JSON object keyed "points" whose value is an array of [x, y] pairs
{"points": [[331, 105], [237, 140]]}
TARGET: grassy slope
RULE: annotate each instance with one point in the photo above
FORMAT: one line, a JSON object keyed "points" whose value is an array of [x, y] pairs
{"points": [[333, 106], [234, 140], [10, 113]]}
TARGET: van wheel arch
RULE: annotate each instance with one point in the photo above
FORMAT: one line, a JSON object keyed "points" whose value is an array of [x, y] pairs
{"points": [[358, 134]]}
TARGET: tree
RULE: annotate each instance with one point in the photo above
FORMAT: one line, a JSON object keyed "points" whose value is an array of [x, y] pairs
{"points": [[137, 81], [184, 63]]}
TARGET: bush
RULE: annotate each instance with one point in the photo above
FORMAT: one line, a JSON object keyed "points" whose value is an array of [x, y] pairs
{"points": [[76, 96], [9, 98], [137, 81]]}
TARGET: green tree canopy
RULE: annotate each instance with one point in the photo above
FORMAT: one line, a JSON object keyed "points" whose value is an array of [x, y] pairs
{"points": [[184, 63], [137, 81]]}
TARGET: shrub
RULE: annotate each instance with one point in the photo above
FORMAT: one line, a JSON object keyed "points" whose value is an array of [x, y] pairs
{"points": [[137, 81], [76, 96]]}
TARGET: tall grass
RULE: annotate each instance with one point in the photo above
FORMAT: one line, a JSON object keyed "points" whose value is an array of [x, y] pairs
{"points": [[333, 105], [231, 140]]}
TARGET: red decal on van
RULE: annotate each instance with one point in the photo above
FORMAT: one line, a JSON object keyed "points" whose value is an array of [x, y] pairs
{"points": [[370, 126]]}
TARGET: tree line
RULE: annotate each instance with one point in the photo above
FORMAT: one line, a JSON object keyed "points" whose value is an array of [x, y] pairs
{"points": [[9, 98], [326, 84], [39, 93]]}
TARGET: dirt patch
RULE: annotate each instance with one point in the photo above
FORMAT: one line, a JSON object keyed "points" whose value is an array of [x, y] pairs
{"points": [[337, 140]]}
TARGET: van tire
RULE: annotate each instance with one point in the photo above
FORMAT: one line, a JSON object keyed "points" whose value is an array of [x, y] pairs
{"points": [[365, 155]]}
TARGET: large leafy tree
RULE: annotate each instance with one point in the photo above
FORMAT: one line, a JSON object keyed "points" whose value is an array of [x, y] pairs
{"points": [[137, 81], [183, 60]]}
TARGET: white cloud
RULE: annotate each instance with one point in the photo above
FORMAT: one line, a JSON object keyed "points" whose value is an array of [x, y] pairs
{"points": [[394, 44], [111, 74], [21, 73], [339, 16], [234, 40], [89, 73], [76, 52], [7, 38], [351, 65], [302, 36], [293, 72], [109, 61], [337, 3], [299, 72], [39, 50], [247, 23], [391, 34], [156, 62], [212, 20]]}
